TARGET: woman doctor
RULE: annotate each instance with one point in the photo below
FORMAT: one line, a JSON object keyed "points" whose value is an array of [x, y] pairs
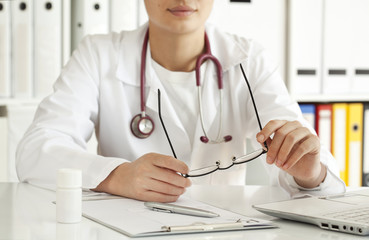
{"points": [[100, 89]]}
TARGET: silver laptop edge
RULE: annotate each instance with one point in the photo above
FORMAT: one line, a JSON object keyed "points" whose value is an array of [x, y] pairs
{"points": [[323, 222]]}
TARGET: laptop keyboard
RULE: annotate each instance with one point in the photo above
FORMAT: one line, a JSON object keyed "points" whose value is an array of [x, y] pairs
{"points": [[360, 215]]}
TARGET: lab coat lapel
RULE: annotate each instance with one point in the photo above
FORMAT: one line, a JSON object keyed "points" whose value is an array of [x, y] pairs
{"points": [[168, 111], [129, 58], [174, 126]]}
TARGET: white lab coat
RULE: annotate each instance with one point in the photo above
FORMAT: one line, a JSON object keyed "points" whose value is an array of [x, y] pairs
{"points": [[99, 89]]}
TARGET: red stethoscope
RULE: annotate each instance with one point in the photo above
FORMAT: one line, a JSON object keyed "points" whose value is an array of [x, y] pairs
{"points": [[142, 125]]}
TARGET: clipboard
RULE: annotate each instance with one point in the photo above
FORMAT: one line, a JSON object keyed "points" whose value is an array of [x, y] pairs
{"points": [[133, 219]]}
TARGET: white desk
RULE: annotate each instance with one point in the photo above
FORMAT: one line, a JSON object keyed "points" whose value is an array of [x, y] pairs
{"points": [[27, 212]]}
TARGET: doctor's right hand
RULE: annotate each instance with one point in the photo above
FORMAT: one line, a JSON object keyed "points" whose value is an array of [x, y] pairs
{"points": [[152, 177]]}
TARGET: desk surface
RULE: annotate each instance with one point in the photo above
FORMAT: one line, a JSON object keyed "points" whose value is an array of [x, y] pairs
{"points": [[27, 212]]}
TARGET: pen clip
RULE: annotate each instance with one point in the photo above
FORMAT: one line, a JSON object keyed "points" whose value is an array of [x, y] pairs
{"points": [[161, 210]]}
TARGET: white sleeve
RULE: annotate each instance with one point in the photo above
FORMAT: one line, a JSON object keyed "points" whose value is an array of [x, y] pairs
{"points": [[63, 124]]}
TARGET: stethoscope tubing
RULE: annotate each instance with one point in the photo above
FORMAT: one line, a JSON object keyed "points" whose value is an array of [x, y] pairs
{"points": [[203, 57], [218, 138], [142, 72]]}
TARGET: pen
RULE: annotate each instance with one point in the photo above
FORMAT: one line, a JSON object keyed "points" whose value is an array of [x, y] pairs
{"points": [[172, 208]]}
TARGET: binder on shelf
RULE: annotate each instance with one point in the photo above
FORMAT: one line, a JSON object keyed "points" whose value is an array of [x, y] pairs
{"points": [[308, 111], [359, 46], [3, 145], [339, 125], [323, 124], [305, 46], [123, 15], [5, 49], [22, 48], [354, 144], [89, 17], [48, 41], [336, 63], [365, 181], [67, 30]]}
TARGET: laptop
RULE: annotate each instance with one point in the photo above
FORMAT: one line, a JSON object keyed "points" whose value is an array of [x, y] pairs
{"points": [[348, 212]]}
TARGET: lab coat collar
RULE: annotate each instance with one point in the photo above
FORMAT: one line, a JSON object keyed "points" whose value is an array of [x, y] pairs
{"points": [[225, 49], [129, 56]]}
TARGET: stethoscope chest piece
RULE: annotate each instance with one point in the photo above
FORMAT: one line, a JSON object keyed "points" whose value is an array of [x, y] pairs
{"points": [[142, 126]]}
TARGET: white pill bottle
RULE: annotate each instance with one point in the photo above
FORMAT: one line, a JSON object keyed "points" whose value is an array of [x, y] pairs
{"points": [[69, 196]]}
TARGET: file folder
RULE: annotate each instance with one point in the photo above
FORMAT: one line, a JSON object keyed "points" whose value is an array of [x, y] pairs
{"points": [[366, 146], [5, 49], [47, 45], [67, 30], [323, 124], [339, 126], [354, 144], [123, 15], [22, 48], [89, 17], [359, 46], [308, 112], [3, 144], [305, 46], [337, 53]]}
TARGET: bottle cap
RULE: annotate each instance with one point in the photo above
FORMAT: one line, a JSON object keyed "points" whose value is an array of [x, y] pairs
{"points": [[69, 178]]}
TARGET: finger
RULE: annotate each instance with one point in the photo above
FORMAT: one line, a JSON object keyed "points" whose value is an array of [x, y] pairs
{"points": [[278, 139], [169, 176], [165, 188], [269, 142], [151, 196], [170, 163], [291, 140], [269, 129], [309, 146]]}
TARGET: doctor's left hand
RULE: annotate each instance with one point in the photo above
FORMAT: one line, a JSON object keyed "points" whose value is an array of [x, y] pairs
{"points": [[295, 150], [152, 177]]}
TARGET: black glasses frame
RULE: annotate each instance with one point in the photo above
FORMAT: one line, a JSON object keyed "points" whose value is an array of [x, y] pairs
{"points": [[235, 160]]}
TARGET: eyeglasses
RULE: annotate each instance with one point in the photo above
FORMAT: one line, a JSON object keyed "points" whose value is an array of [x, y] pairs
{"points": [[218, 166]]}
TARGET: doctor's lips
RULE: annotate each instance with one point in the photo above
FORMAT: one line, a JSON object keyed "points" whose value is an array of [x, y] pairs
{"points": [[182, 11]]}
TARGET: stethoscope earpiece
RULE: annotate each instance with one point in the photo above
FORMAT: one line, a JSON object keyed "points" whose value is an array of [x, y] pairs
{"points": [[205, 139], [227, 138], [142, 126]]}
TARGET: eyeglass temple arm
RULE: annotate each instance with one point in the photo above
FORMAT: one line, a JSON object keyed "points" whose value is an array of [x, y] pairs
{"points": [[253, 103], [162, 124]]}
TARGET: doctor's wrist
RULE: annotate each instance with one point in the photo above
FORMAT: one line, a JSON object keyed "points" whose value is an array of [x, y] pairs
{"points": [[315, 181], [109, 184]]}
